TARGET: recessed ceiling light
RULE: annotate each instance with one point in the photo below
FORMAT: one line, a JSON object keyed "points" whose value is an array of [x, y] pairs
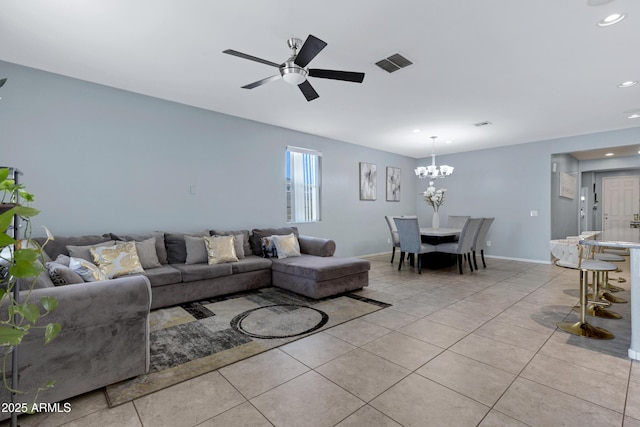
{"points": [[448, 142], [609, 154], [634, 116], [416, 131], [614, 18], [628, 83]]}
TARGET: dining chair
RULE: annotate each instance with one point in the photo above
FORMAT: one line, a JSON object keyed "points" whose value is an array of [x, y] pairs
{"points": [[395, 237], [464, 245], [480, 244], [456, 221], [410, 240]]}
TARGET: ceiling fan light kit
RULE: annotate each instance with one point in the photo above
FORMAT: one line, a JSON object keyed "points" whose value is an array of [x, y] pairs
{"points": [[294, 71]]}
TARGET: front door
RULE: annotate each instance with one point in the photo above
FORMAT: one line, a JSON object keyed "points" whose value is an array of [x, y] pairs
{"points": [[620, 199]]}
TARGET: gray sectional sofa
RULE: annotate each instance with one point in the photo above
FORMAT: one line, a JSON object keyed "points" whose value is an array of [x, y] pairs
{"points": [[105, 336]]}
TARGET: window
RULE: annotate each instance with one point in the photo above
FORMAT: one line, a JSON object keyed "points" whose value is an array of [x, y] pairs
{"points": [[303, 184]]}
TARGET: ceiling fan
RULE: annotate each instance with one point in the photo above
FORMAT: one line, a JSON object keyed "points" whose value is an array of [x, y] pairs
{"points": [[294, 70]]}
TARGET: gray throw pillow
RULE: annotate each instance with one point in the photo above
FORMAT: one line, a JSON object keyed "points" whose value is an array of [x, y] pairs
{"points": [[84, 251], [196, 250], [147, 253]]}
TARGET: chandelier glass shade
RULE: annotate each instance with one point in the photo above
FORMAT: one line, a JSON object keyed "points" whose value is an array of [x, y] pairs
{"points": [[433, 171]]}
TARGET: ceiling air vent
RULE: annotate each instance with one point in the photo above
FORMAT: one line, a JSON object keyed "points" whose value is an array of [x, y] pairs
{"points": [[393, 63], [480, 124]]}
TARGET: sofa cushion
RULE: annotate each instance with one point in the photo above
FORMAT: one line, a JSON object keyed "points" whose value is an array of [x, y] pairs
{"points": [[258, 233], [320, 268], [163, 275], [251, 263], [176, 247], [246, 245], [196, 250], [161, 250], [193, 272]]}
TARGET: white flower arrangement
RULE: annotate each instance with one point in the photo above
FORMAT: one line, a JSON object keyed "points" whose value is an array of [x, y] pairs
{"points": [[435, 197]]}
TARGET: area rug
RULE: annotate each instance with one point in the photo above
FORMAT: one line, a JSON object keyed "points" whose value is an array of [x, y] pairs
{"points": [[196, 338]]}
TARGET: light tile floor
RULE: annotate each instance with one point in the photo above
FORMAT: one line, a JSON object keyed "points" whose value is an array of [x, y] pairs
{"points": [[478, 349]]}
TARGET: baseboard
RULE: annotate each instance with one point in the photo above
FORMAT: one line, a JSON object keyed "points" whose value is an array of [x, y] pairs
{"points": [[535, 261]]}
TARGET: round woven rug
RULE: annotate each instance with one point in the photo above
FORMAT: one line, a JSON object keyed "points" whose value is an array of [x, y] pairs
{"points": [[279, 321]]}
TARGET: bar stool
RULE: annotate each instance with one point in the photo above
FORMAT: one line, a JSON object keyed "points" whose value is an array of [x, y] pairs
{"points": [[608, 287], [595, 306], [611, 255]]}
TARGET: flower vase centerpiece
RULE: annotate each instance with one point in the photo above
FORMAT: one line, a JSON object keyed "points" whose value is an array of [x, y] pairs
{"points": [[436, 199]]}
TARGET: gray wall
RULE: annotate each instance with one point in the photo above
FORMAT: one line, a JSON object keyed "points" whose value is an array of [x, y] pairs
{"points": [[105, 160], [510, 182]]}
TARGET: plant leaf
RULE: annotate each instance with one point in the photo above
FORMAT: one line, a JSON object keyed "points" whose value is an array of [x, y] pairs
{"points": [[6, 218], [52, 331], [5, 239], [10, 335], [30, 311], [49, 303], [4, 173], [25, 211]]}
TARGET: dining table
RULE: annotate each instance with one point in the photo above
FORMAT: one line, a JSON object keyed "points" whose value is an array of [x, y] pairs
{"points": [[434, 236], [626, 238], [440, 232]]}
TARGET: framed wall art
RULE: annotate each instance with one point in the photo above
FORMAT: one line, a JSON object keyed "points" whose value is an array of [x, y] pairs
{"points": [[393, 184], [368, 181]]}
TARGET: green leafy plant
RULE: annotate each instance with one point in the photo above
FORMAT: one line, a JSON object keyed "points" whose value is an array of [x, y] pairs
{"points": [[20, 260]]}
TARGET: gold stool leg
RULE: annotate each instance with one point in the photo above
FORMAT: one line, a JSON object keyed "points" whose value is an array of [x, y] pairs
{"points": [[607, 295], [582, 328]]}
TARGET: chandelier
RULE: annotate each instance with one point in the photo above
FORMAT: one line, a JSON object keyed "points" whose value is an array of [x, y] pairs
{"points": [[433, 171]]}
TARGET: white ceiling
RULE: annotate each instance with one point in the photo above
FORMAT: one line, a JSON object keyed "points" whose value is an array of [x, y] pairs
{"points": [[536, 69]]}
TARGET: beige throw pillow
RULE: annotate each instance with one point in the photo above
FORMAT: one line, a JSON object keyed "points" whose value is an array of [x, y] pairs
{"points": [[117, 260], [286, 246], [220, 249]]}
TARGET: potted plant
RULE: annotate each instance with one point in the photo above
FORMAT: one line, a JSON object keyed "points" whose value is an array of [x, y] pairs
{"points": [[20, 259]]}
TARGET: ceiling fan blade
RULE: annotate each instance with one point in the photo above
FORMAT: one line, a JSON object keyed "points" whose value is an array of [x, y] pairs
{"points": [[3, 81], [348, 76], [311, 47], [261, 82], [308, 91], [249, 57]]}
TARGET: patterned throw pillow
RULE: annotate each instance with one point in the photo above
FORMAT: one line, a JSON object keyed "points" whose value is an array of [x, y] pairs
{"points": [[62, 275], [220, 249], [117, 260], [88, 271], [286, 246], [268, 248]]}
